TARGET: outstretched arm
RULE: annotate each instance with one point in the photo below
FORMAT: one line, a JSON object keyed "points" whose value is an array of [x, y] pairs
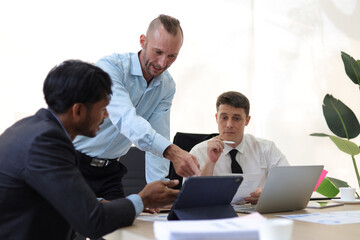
{"points": [[159, 194], [184, 163]]}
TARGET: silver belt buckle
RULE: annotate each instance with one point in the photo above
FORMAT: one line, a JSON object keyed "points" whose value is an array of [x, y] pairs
{"points": [[95, 162]]}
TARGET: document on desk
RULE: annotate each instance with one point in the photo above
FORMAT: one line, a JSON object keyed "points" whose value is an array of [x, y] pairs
{"points": [[246, 228], [249, 184], [152, 217], [328, 218]]}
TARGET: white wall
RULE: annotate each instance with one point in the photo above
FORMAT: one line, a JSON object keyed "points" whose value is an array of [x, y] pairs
{"points": [[284, 55]]}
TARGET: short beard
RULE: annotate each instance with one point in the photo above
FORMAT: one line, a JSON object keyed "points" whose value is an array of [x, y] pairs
{"points": [[147, 68]]}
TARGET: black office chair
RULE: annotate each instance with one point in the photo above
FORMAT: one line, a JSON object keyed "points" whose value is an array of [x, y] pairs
{"points": [[134, 181], [186, 141]]}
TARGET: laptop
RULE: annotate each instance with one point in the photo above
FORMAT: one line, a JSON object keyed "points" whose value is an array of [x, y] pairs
{"points": [[287, 188]]}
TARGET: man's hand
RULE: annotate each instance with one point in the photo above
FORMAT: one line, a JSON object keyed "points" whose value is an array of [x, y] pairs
{"points": [[215, 146], [158, 194], [184, 163], [254, 196], [151, 210]]}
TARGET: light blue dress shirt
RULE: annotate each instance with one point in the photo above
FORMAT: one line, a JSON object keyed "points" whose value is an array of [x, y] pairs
{"points": [[138, 114], [137, 202]]}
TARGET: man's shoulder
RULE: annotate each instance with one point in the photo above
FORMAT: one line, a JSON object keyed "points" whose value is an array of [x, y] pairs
{"points": [[40, 131], [37, 123], [167, 79], [41, 127], [263, 146], [200, 146], [262, 142], [116, 59], [118, 56]]}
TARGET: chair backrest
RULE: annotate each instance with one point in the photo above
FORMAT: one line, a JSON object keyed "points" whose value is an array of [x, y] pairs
{"points": [[134, 181], [186, 141]]}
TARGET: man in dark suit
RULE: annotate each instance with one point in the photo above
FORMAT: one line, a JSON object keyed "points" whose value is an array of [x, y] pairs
{"points": [[42, 193]]}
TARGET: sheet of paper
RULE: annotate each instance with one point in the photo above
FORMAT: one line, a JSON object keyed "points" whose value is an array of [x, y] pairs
{"points": [[329, 218], [230, 228], [249, 184], [153, 217]]}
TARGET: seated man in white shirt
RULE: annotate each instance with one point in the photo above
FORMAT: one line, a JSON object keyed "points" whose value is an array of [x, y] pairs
{"points": [[251, 155]]}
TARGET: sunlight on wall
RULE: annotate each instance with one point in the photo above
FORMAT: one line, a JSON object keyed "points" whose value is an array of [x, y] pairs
{"points": [[284, 55]]}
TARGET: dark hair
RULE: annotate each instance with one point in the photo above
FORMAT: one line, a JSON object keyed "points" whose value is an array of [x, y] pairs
{"points": [[74, 81], [234, 99], [171, 25]]}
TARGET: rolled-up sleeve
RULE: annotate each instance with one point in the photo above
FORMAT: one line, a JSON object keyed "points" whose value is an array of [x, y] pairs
{"points": [[124, 117]]}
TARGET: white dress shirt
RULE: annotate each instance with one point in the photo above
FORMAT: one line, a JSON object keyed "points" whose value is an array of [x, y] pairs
{"points": [[255, 155]]}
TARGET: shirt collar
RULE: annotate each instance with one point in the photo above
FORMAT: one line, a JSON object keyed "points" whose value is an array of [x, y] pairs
{"points": [[62, 126], [135, 65], [240, 147], [136, 70]]}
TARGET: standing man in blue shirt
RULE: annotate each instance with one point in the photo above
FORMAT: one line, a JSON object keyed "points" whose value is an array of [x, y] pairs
{"points": [[139, 114]]}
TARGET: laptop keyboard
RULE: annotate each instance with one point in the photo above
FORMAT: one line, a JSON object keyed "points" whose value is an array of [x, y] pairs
{"points": [[245, 208]]}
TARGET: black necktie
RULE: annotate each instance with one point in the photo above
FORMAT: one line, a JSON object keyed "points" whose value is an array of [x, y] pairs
{"points": [[235, 167]]}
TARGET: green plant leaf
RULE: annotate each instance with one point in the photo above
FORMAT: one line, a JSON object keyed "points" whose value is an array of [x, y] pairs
{"points": [[319, 135], [327, 188], [338, 183], [343, 144], [340, 119], [352, 68], [346, 145]]}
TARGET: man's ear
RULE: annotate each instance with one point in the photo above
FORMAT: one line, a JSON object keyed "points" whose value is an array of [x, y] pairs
{"points": [[142, 40], [78, 111], [247, 120], [216, 118]]}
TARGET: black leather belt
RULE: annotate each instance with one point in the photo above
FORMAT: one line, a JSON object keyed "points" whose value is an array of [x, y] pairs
{"points": [[103, 162]]}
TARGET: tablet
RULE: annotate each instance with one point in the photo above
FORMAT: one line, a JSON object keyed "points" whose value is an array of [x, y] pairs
{"points": [[205, 198]]}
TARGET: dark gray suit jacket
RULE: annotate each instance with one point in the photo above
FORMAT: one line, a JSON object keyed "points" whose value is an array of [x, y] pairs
{"points": [[42, 193]]}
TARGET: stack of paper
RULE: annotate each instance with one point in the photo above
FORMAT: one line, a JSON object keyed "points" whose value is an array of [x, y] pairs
{"points": [[245, 228], [249, 184]]}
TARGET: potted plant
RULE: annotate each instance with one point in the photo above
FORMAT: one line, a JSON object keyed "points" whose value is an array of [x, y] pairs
{"points": [[342, 122]]}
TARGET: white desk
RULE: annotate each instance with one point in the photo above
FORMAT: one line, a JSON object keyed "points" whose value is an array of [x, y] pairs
{"points": [[142, 230]]}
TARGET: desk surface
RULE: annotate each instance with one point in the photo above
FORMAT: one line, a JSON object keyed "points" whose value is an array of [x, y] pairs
{"points": [[302, 230]]}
